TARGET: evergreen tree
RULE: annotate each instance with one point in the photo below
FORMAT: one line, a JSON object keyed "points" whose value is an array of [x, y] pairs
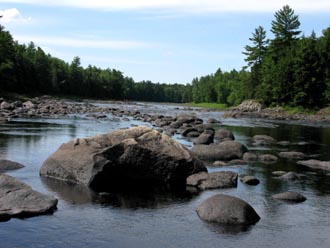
{"points": [[254, 56], [286, 24]]}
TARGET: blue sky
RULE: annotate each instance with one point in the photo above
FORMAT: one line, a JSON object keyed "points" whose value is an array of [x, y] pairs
{"points": [[171, 41]]}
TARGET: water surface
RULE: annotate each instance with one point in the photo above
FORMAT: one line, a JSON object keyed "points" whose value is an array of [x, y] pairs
{"points": [[168, 220]]}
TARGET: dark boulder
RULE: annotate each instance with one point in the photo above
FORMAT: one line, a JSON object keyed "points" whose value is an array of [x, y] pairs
{"points": [[227, 209], [19, 200], [205, 138], [250, 180], [130, 158]]}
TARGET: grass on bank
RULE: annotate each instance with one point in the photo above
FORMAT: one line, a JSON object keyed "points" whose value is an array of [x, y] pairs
{"points": [[209, 105]]}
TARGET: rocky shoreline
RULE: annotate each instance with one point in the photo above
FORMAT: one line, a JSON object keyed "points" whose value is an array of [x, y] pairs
{"points": [[253, 109]]}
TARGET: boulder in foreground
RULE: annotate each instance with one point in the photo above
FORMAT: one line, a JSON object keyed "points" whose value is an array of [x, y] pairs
{"points": [[19, 200], [227, 209], [126, 158]]}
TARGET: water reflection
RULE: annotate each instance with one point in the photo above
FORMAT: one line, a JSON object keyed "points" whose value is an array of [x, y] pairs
{"points": [[153, 198], [228, 229]]}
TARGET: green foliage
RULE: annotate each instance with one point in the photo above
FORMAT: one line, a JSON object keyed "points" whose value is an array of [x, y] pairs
{"points": [[286, 24], [209, 105]]}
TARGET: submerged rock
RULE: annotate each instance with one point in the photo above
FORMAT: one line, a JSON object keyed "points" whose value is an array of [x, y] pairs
{"points": [[227, 209], [292, 155], [316, 164], [292, 176], [131, 158], [9, 165], [214, 180], [19, 200], [290, 196]]}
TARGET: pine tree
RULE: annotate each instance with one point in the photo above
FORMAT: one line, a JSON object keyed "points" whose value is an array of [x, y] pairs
{"points": [[254, 56]]}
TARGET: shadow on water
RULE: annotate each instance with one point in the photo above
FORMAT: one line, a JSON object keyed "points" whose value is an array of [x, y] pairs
{"points": [[154, 197], [227, 229]]}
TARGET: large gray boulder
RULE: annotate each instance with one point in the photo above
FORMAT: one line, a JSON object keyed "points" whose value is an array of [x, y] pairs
{"points": [[227, 150], [316, 164], [19, 200], [6, 165], [227, 209], [214, 180], [134, 157]]}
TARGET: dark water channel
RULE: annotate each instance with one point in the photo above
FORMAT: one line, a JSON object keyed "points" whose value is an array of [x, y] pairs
{"points": [[169, 220]]}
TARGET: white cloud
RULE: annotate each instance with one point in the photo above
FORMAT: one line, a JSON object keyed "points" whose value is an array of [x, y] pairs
{"points": [[12, 15], [190, 6], [80, 42]]}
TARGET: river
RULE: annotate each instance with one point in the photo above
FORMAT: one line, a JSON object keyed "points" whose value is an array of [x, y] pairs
{"points": [[158, 220]]}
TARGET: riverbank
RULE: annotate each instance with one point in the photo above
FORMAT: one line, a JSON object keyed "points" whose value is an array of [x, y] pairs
{"points": [[54, 107]]}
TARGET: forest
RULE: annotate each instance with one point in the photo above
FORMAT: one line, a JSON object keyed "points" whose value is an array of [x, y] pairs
{"points": [[289, 69]]}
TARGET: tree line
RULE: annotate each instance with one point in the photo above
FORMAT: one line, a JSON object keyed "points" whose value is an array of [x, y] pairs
{"points": [[289, 69], [27, 69]]}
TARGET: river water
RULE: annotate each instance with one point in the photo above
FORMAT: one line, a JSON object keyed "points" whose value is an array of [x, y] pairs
{"points": [[169, 220]]}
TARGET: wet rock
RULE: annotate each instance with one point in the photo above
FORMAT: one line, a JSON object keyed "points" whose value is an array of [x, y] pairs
{"points": [[250, 180], [279, 173], [227, 150], [122, 159], [19, 200], [292, 176], [202, 127], [267, 158], [223, 134], [227, 209], [283, 143], [316, 164], [9, 165], [290, 196], [205, 138], [260, 140], [193, 134], [186, 131], [213, 120], [214, 180], [219, 163], [292, 155], [249, 157]]}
